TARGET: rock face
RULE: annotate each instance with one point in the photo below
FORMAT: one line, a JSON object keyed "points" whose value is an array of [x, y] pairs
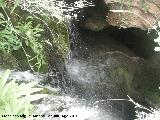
{"points": [[141, 14], [102, 68], [137, 13], [103, 78], [106, 76], [101, 63]]}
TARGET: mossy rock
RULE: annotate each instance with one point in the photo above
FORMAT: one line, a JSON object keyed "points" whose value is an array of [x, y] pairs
{"points": [[8, 61], [53, 42], [48, 91]]}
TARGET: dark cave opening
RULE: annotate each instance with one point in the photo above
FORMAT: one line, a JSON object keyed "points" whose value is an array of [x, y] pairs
{"points": [[138, 41]]}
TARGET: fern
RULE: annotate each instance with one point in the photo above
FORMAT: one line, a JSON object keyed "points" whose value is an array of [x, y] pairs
{"points": [[15, 99], [13, 36]]}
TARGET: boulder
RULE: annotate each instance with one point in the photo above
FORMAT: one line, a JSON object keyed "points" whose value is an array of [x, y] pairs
{"points": [[102, 68], [143, 14]]}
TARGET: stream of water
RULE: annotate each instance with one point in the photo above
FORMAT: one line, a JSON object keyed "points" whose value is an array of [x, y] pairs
{"points": [[96, 91], [73, 108]]}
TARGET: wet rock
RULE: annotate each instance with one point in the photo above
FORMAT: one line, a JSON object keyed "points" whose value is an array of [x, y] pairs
{"points": [[151, 85], [102, 68], [141, 14], [8, 61], [93, 19], [108, 76]]}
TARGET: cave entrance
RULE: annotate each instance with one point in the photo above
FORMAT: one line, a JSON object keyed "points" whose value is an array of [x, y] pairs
{"points": [[138, 42]]}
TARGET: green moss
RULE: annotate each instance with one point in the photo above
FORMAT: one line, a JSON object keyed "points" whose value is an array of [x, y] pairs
{"points": [[47, 91], [8, 61], [58, 36]]}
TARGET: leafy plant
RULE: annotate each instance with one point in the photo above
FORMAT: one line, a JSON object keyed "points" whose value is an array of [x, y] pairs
{"points": [[14, 36], [30, 35], [9, 41], [15, 99]]}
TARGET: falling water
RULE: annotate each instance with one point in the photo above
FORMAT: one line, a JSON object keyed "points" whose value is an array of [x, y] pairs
{"points": [[91, 89]]}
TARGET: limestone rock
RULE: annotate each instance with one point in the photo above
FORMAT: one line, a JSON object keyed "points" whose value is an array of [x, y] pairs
{"points": [[143, 14], [137, 13]]}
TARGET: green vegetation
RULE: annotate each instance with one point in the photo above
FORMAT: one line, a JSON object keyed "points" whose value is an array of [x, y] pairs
{"points": [[15, 99], [15, 32], [27, 38], [21, 30], [34, 36]]}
